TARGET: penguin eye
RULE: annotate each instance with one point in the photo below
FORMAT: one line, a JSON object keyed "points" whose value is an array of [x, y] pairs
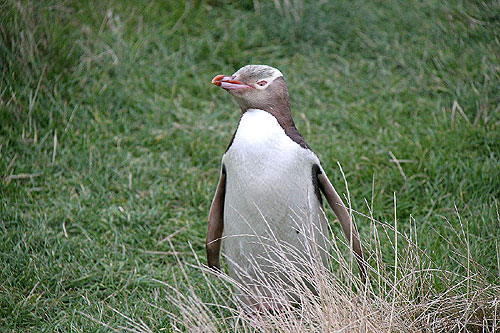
{"points": [[262, 83]]}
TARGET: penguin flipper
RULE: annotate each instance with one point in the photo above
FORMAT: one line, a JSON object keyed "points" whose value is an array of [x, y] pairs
{"points": [[216, 223], [345, 220]]}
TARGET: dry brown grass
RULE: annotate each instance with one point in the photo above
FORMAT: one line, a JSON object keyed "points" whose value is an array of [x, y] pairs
{"points": [[410, 294]]}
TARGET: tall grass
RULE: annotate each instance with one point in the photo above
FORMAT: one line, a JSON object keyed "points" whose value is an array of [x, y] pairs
{"points": [[411, 294]]}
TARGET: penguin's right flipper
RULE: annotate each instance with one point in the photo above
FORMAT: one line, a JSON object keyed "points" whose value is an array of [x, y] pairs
{"points": [[216, 223]]}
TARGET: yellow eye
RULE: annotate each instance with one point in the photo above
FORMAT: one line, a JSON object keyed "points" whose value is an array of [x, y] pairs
{"points": [[262, 83]]}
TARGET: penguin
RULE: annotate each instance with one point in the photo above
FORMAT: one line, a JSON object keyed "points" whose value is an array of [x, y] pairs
{"points": [[270, 185]]}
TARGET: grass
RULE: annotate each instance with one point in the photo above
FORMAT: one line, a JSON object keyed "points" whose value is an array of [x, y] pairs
{"points": [[111, 138], [399, 299]]}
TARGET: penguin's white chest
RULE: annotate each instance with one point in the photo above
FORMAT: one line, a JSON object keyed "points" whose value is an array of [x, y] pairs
{"points": [[262, 154], [270, 196], [265, 167]]}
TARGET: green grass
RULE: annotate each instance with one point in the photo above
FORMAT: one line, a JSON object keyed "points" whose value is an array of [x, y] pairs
{"points": [[125, 89]]}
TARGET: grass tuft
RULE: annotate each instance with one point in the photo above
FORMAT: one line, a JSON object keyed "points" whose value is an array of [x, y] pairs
{"points": [[414, 294]]}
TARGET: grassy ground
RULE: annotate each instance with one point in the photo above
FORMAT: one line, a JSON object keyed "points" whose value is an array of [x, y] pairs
{"points": [[111, 136]]}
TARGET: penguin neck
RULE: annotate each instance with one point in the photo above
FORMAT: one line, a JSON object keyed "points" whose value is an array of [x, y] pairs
{"points": [[283, 114], [281, 111]]}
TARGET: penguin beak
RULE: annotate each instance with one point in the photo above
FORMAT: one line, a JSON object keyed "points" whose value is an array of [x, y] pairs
{"points": [[229, 83]]}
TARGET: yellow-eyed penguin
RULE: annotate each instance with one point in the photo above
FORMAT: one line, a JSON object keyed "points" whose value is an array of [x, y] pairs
{"points": [[270, 182]]}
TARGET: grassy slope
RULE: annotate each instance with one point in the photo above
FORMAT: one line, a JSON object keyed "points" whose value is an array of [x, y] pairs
{"points": [[140, 131]]}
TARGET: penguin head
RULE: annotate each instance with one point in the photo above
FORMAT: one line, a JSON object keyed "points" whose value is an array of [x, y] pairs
{"points": [[255, 87]]}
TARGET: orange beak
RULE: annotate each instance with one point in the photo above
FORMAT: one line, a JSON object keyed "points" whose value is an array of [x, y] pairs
{"points": [[229, 83], [217, 80]]}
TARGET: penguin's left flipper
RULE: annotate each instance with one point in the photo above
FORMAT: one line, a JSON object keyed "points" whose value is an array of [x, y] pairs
{"points": [[216, 223], [345, 220]]}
